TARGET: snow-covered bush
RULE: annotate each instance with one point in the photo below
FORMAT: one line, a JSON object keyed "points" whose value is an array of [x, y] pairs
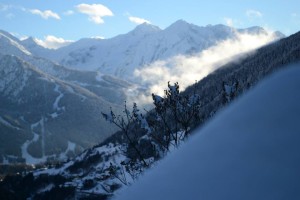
{"points": [[150, 136]]}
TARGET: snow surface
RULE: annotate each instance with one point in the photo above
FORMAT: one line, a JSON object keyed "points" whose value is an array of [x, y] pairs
{"points": [[38, 132], [11, 44], [30, 159], [71, 148], [24, 148], [111, 155], [14, 75], [58, 98], [248, 151]]}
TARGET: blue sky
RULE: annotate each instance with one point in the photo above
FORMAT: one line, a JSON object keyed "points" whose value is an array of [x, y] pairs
{"points": [[75, 19]]}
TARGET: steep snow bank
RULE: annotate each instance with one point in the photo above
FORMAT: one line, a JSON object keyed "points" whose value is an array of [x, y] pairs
{"points": [[249, 151]]}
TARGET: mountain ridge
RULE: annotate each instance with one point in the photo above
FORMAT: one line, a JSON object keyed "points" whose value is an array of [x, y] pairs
{"points": [[137, 49]]}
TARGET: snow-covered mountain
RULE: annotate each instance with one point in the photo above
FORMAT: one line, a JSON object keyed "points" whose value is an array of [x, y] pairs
{"points": [[248, 151], [32, 45], [105, 86], [21, 70], [10, 45], [100, 171], [121, 55], [42, 116]]}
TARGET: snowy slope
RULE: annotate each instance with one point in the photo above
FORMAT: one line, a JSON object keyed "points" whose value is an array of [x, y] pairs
{"points": [[9, 43], [142, 46], [248, 151], [43, 117], [33, 46]]}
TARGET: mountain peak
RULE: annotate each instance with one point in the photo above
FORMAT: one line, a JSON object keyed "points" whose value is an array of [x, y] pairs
{"points": [[29, 40], [8, 35], [145, 28], [179, 24], [181, 21]]}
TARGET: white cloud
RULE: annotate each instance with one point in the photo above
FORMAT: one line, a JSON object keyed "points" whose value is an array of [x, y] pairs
{"points": [[228, 21], [187, 69], [95, 12], [45, 14], [98, 37], [232, 22], [23, 37], [7, 7], [52, 42], [68, 12], [138, 20], [252, 14]]}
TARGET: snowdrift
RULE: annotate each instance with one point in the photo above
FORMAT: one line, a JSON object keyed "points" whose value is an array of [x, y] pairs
{"points": [[250, 150]]}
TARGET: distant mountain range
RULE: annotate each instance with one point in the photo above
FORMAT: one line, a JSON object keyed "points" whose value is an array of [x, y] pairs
{"points": [[121, 55], [36, 91], [51, 100]]}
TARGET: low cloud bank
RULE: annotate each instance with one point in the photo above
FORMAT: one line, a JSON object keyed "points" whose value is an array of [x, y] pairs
{"points": [[52, 42], [187, 69]]}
